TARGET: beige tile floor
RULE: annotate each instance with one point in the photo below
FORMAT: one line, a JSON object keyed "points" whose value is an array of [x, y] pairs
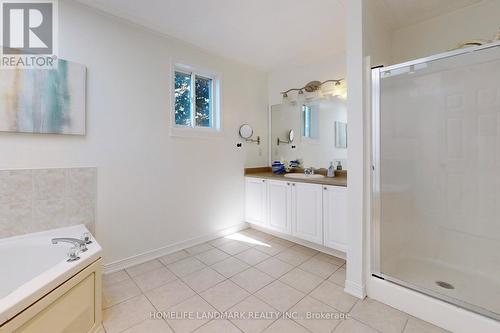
{"points": [[249, 272]]}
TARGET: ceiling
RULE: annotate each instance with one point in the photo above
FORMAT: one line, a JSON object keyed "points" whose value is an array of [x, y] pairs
{"points": [[401, 13], [267, 34]]}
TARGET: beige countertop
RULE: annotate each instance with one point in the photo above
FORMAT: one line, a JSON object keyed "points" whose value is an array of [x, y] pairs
{"points": [[340, 178]]}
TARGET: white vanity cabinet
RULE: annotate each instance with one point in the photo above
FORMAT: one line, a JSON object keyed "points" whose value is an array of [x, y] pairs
{"points": [[307, 216], [279, 206], [311, 212], [335, 217], [256, 201]]}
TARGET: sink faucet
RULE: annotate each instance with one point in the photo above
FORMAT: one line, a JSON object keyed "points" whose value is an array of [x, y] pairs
{"points": [[76, 242], [309, 171]]}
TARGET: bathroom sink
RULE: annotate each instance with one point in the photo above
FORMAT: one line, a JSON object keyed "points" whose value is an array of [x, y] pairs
{"points": [[303, 176]]}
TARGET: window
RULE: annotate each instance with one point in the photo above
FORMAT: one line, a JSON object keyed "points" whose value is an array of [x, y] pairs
{"points": [[306, 113], [195, 99], [310, 122]]}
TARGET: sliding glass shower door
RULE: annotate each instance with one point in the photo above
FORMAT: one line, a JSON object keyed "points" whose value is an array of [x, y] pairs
{"points": [[436, 193]]}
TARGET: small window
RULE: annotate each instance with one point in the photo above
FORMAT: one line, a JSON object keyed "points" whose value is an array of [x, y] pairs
{"points": [[306, 113], [310, 122], [195, 99]]}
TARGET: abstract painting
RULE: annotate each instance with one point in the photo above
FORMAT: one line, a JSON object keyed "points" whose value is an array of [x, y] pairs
{"points": [[43, 100]]}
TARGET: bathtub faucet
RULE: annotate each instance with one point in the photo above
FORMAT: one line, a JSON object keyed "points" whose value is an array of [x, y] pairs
{"points": [[76, 242]]}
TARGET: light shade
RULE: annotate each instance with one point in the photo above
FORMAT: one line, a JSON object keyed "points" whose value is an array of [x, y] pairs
{"points": [[328, 88], [286, 99], [300, 97]]}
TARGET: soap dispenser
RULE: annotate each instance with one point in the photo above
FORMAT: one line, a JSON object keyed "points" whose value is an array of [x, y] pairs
{"points": [[339, 166], [331, 171]]}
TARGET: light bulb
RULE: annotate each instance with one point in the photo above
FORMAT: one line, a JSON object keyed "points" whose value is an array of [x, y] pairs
{"points": [[327, 88], [300, 97], [286, 99]]}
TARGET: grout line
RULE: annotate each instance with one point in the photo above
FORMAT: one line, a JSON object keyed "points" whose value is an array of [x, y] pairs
{"points": [[406, 324], [179, 278]]}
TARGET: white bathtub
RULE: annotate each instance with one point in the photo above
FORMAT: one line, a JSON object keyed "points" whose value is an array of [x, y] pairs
{"points": [[31, 267]]}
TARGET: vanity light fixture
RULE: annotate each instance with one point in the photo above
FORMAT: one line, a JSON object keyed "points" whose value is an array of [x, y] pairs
{"points": [[314, 87]]}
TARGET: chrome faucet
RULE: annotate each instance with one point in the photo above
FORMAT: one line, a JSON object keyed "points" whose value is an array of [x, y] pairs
{"points": [[309, 171], [80, 244]]}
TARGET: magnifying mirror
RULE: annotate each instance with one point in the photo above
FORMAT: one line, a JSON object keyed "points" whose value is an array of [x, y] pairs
{"points": [[246, 131], [291, 137]]}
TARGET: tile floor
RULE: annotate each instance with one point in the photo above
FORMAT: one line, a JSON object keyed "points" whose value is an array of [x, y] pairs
{"points": [[249, 273]]}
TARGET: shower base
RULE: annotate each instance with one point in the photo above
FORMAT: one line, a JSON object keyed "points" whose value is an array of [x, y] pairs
{"points": [[466, 289]]}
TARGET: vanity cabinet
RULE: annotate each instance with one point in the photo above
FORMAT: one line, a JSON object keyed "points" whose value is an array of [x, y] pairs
{"points": [[279, 206], [335, 217], [312, 212], [307, 220], [256, 201]]}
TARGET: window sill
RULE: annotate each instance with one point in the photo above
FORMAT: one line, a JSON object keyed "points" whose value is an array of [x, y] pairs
{"points": [[197, 133]]}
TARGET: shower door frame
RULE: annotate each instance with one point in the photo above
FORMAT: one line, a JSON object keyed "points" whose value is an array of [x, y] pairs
{"points": [[375, 267]]}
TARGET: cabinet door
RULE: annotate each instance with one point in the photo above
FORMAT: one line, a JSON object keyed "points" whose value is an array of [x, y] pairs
{"points": [[278, 194], [334, 215], [307, 219], [255, 200]]}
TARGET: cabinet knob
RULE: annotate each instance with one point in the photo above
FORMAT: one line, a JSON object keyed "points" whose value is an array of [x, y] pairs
{"points": [[288, 184], [325, 188], [263, 180], [293, 184]]}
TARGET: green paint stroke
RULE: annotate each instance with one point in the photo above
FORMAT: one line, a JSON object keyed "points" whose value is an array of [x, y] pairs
{"points": [[57, 98]]}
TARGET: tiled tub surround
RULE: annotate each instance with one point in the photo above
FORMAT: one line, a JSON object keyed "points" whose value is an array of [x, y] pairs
{"points": [[34, 200], [249, 271]]}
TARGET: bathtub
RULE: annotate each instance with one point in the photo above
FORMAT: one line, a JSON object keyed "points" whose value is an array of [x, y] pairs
{"points": [[32, 269]]}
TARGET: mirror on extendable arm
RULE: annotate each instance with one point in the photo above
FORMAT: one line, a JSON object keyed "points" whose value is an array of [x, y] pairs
{"points": [[246, 133], [291, 137]]}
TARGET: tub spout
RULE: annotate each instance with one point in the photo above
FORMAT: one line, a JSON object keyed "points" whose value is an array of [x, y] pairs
{"points": [[76, 242]]}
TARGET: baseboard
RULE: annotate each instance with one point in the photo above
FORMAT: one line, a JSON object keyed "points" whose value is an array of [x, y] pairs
{"points": [[320, 248], [157, 253], [355, 289]]}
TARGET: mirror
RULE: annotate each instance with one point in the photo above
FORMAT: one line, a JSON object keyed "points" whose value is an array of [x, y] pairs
{"points": [[246, 131], [318, 130]]}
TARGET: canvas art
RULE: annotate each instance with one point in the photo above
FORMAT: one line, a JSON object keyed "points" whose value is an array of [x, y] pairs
{"points": [[43, 101]]}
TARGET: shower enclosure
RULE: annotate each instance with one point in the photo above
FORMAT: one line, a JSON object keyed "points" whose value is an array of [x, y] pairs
{"points": [[436, 177]]}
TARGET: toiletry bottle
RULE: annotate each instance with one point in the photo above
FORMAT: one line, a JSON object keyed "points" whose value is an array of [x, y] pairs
{"points": [[331, 170], [339, 165]]}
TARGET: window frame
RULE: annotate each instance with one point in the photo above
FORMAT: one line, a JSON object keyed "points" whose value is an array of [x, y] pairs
{"points": [[215, 128]]}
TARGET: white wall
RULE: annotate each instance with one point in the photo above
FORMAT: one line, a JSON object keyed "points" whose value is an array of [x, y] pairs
{"points": [[332, 67], [153, 189], [355, 274], [445, 32]]}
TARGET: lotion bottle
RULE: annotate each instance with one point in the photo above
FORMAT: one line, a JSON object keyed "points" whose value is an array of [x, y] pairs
{"points": [[331, 171]]}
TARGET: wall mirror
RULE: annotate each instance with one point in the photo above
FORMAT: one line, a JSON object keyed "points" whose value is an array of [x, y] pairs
{"points": [[318, 130]]}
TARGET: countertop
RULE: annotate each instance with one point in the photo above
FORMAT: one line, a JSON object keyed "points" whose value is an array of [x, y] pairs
{"points": [[340, 178]]}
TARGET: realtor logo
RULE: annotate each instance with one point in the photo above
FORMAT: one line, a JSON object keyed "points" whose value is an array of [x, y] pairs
{"points": [[28, 33]]}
